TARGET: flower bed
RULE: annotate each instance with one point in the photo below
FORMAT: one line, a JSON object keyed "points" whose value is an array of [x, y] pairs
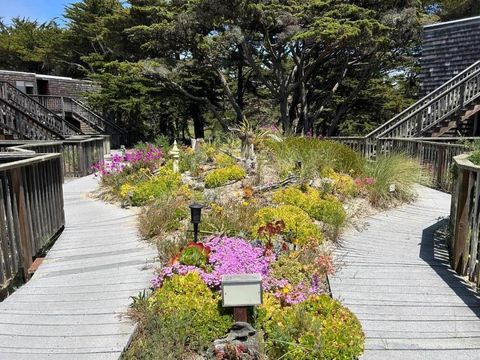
{"points": [[283, 232]]}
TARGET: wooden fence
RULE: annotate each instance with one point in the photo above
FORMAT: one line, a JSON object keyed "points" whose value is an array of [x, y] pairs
{"points": [[435, 157], [435, 154], [79, 153], [465, 220], [31, 210]]}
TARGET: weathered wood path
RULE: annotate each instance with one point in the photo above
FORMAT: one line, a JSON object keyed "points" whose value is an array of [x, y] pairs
{"points": [[395, 276], [74, 306]]}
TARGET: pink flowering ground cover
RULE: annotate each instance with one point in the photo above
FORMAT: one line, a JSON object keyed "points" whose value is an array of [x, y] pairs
{"points": [[148, 157], [238, 256]]}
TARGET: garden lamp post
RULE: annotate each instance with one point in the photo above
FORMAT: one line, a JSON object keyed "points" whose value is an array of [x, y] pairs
{"points": [[196, 214]]}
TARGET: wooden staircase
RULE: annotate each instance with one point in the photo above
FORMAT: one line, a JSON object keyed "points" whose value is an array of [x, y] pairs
{"points": [[89, 121], [22, 117], [445, 111], [462, 126]]}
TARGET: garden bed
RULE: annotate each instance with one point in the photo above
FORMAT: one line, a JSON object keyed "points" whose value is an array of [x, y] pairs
{"points": [[254, 221]]}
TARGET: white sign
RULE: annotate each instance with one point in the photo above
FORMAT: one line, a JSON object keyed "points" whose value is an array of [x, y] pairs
{"points": [[241, 290]]}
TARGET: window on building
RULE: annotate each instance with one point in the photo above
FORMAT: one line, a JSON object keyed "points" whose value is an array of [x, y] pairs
{"points": [[25, 86]]}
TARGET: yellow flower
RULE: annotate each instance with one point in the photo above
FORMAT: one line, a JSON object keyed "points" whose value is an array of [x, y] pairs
{"points": [[126, 190]]}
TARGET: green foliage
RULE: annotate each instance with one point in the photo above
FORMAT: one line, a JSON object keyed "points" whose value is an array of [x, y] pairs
{"points": [[27, 45], [182, 317], [161, 216], [233, 218], [223, 176], [475, 157], [394, 170], [288, 266], [299, 228], [193, 256], [162, 185], [317, 329], [315, 155], [223, 160], [327, 209]]}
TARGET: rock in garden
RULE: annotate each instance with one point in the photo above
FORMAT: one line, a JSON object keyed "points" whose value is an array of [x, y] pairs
{"points": [[241, 343]]}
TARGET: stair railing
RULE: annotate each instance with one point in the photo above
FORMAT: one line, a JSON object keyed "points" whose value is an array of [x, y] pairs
{"points": [[426, 113], [63, 104], [28, 105], [432, 113]]}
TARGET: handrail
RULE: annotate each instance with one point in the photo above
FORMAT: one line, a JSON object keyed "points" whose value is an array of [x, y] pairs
{"points": [[464, 242], [19, 122], [436, 100], [475, 67], [31, 209], [35, 110], [79, 108]]}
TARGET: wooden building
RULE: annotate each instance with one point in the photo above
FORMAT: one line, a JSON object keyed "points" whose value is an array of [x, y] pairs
{"points": [[37, 84], [448, 49]]}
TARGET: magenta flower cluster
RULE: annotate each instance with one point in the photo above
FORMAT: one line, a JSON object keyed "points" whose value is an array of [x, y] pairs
{"points": [[227, 256], [289, 294], [146, 157], [238, 256]]}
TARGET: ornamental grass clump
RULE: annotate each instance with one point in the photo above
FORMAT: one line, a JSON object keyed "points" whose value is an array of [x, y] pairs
{"points": [[394, 177], [222, 176], [314, 155]]}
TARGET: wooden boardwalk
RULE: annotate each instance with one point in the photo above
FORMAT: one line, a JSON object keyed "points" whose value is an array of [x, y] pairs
{"points": [[394, 275], [74, 307]]}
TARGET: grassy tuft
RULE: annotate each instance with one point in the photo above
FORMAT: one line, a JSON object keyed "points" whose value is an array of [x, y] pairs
{"points": [[397, 171]]}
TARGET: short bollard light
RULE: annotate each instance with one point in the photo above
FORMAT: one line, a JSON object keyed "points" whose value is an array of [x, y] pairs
{"points": [[241, 291], [196, 214]]}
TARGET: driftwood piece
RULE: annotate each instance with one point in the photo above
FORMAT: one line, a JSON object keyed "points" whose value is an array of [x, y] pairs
{"points": [[291, 179]]}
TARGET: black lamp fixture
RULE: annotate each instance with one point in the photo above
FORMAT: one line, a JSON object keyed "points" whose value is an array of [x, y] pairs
{"points": [[196, 214]]}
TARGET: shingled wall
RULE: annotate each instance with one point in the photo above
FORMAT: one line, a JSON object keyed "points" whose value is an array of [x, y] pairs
{"points": [[448, 48], [61, 86]]}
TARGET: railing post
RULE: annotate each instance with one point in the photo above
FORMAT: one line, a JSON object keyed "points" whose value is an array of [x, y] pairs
{"points": [[23, 221]]}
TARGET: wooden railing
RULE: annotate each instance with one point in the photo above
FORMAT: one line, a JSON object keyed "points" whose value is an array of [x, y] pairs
{"points": [[31, 210], [37, 113], [446, 101], [64, 104], [435, 157], [79, 153], [465, 220]]}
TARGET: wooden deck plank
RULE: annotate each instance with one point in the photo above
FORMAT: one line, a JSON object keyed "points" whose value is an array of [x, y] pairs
{"points": [[396, 278], [75, 305]]}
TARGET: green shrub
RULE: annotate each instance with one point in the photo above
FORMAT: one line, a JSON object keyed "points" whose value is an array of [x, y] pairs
{"points": [[328, 209], [223, 176], [299, 228], [317, 329], [397, 170], [182, 317], [475, 157], [223, 160], [157, 187], [314, 155]]}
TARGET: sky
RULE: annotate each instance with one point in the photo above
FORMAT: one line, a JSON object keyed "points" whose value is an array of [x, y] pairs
{"points": [[41, 10]]}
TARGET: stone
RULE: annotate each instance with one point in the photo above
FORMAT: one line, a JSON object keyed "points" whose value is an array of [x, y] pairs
{"points": [[241, 343]]}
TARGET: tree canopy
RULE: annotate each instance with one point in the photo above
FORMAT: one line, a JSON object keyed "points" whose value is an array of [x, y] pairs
{"points": [[322, 67]]}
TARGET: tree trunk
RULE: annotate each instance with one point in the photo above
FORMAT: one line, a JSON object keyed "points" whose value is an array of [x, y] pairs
{"points": [[240, 82], [198, 120], [284, 114]]}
